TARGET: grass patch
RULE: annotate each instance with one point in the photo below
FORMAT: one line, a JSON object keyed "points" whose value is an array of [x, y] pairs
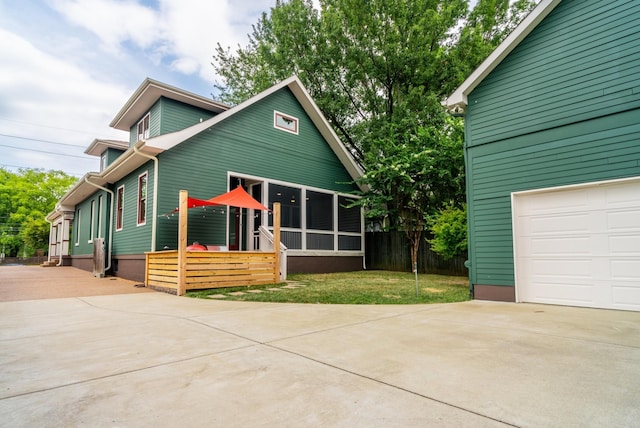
{"points": [[363, 287]]}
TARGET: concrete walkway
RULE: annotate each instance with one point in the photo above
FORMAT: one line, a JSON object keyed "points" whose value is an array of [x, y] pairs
{"points": [[153, 359]]}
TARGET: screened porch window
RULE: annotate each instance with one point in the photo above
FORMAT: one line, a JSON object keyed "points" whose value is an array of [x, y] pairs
{"points": [[289, 198]]}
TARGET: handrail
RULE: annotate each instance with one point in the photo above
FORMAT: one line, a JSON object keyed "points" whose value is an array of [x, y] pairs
{"points": [[265, 243]]}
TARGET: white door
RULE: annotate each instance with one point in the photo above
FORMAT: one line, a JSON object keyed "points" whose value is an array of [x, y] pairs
{"points": [[579, 246]]}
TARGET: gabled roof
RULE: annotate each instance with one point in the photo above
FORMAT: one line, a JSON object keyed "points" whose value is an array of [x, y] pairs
{"points": [[98, 146], [138, 154], [166, 141], [457, 101], [148, 93]]}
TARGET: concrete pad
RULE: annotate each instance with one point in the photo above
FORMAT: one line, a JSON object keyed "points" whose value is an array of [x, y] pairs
{"points": [[525, 376], [161, 360]]}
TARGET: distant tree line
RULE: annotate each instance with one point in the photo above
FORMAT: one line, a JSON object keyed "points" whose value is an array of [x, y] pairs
{"points": [[26, 197]]}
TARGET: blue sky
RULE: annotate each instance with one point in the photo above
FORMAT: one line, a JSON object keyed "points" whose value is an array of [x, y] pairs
{"points": [[68, 66]]}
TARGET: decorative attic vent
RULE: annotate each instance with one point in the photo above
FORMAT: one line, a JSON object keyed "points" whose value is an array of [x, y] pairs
{"points": [[285, 122]]}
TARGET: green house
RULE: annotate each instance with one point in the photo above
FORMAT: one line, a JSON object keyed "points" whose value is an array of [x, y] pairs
{"points": [[552, 146], [276, 145]]}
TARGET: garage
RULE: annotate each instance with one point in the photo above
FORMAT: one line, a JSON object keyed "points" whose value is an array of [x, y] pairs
{"points": [[579, 245]]}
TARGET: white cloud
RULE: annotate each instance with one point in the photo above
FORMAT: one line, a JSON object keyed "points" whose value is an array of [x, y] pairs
{"points": [[183, 34], [43, 97]]}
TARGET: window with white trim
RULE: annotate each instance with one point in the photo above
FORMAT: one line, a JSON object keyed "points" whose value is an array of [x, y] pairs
{"points": [[100, 216], [92, 222], [120, 208], [285, 122], [143, 128], [78, 226], [142, 199]]}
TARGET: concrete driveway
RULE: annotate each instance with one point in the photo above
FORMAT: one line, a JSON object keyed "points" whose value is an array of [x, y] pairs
{"points": [[153, 359]]}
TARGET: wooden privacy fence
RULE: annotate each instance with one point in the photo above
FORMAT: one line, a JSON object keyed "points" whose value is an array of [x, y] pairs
{"points": [[391, 251], [210, 269]]}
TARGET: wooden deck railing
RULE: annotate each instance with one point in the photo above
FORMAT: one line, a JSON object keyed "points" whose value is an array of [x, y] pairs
{"points": [[211, 269]]}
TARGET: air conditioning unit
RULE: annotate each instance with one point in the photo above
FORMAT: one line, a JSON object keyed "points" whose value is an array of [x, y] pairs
{"points": [[98, 257]]}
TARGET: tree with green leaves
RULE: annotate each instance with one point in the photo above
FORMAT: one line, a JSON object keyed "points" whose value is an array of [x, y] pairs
{"points": [[26, 197], [378, 70]]}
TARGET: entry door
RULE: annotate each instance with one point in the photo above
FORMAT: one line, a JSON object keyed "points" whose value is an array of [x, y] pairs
{"points": [[235, 218], [579, 246]]}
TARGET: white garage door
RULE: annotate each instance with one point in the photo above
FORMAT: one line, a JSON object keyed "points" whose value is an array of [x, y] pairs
{"points": [[579, 246]]}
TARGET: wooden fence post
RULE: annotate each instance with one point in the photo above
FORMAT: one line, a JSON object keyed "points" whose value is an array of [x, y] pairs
{"points": [[276, 238], [182, 243]]}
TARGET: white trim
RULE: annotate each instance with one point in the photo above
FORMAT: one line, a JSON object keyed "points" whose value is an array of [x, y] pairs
{"points": [[145, 132], [93, 221], [146, 191], [119, 207], [285, 117], [303, 219], [457, 101], [78, 227], [100, 208], [577, 186], [568, 187]]}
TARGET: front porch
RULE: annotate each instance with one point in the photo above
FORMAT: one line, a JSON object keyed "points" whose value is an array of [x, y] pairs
{"points": [[210, 269], [178, 271]]}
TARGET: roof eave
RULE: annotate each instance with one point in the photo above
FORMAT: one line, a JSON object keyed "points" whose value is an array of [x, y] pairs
{"points": [[149, 92], [457, 102]]}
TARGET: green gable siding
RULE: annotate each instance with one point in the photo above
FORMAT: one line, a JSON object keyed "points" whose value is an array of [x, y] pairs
{"points": [[581, 62], [134, 239], [168, 115], [246, 143], [113, 154], [176, 116], [563, 108]]}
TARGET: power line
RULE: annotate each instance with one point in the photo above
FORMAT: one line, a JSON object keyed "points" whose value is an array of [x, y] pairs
{"points": [[41, 141], [47, 126], [47, 152]]}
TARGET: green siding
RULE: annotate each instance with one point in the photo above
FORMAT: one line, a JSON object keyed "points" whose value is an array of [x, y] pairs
{"points": [[134, 239], [176, 116], [112, 155], [168, 115], [245, 143], [581, 62], [83, 226], [563, 108]]}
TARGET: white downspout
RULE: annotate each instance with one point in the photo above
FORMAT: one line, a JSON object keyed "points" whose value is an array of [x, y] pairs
{"points": [[108, 266], [155, 195]]}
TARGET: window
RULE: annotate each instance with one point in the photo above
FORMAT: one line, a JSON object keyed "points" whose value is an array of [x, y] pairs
{"points": [[92, 223], [285, 122], [142, 199], [119, 207], [348, 218], [78, 226], [100, 216], [143, 128], [319, 210], [289, 198], [103, 161]]}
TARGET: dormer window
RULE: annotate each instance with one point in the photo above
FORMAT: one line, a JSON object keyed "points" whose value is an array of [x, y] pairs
{"points": [[143, 128], [285, 122]]}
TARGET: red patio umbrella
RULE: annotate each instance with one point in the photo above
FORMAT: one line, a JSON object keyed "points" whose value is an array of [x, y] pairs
{"points": [[238, 197]]}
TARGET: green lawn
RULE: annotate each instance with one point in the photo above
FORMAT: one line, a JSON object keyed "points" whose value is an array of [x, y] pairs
{"points": [[363, 287]]}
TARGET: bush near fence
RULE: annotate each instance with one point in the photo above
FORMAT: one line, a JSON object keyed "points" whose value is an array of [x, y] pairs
{"points": [[391, 251]]}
